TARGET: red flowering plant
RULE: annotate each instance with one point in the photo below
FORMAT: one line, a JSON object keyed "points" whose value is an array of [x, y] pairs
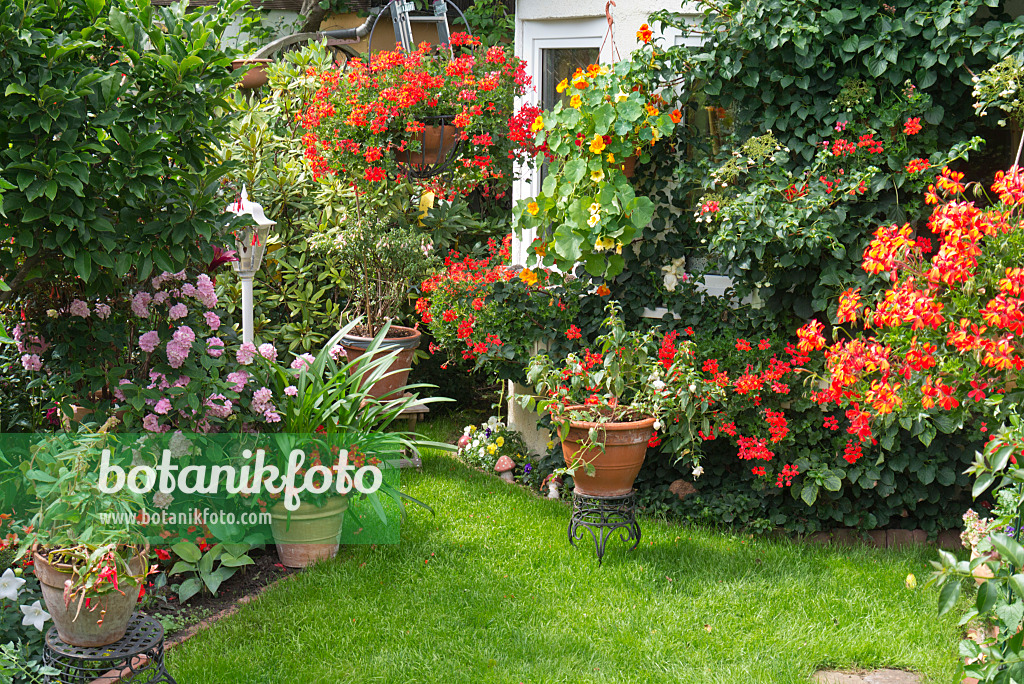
{"points": [[766, 417], [587, 210], [630, 376], [940, 348], [362, 121], [498, 317], [784, 228]]}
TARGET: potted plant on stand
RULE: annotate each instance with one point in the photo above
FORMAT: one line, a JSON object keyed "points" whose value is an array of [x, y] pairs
{"points": [[324, 408], [87, 547], [609, 406]]}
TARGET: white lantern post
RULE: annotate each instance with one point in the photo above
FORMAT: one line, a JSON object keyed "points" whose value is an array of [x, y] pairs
{"points": [[250, 245]]}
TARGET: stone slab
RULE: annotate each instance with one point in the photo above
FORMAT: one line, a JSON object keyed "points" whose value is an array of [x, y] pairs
{"points": [[872, 677]]}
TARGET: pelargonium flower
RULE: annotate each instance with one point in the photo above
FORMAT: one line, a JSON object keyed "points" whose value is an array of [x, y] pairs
{"points": [[291, 391], [79, 308], [302, 362], [214, 347], [149, 341], [177, 311], [212, 320], [31, 362], [246, 353], [268, 351]]}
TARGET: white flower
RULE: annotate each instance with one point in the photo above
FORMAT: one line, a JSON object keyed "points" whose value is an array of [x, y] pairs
{"points": [[10, 585], [693, 388], [657, 425], [658, 384], [670, 281], [51, 313], [698, 471], [34, 615]]}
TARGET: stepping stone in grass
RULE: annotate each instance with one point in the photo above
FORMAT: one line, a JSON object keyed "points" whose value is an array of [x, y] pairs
{"points": [[871, 677]]}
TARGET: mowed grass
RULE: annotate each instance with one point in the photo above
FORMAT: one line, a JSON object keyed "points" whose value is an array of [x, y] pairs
{"points": [[489, 590]]}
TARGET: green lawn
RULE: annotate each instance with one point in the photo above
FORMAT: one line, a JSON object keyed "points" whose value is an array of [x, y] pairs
{"points": [[489, 590]]}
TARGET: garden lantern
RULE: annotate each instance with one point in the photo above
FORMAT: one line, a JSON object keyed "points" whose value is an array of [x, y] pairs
{"points": [[250, 245]]}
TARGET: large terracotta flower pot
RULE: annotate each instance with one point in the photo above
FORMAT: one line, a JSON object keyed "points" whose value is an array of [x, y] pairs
{"points": [[256, 72], [106, 618], [309, 534], [616, 467], [629, 165], [983, 572], [406, 340]]}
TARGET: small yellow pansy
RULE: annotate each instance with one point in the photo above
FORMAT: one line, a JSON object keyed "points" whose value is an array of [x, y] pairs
{"points": [[550, 444], [500, 441], [492, 449]]}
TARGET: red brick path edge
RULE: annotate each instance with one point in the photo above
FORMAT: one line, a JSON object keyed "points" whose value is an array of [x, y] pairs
{"points": [[885, 539], [114, 676]]}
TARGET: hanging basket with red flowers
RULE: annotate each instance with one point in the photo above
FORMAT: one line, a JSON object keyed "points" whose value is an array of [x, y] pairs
{"points": [[397, 116]]}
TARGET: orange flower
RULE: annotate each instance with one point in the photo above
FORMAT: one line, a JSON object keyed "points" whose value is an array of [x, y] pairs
{"points": [[652, 110], [528, 276], [676, 116], [603, 290], [533, 208], [580, 85], [810, 337], [848, 304], [597, 144], [575, 101], [644, 34]]}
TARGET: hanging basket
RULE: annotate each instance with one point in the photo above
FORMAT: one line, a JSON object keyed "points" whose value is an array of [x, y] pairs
{"points": [[439, 146]]}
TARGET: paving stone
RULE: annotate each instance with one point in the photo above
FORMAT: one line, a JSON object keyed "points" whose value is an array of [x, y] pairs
{"points": [[872, 677], [949, 540]]}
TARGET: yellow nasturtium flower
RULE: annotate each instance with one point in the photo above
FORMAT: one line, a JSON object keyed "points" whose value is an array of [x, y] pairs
{"points": [[533, 208], [597, 175], [655, 134], [595, 207], [537, 124], [652, 110], [597, 144], [593, 220], [575, 101], [611, 158], [562, 85], [603, 243], [528, 276]]}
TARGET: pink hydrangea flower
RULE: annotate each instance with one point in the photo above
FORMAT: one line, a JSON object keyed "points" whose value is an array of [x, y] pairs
{"points": [[79, 308], [101, 310], [140, 304], [163, 406], [238, 380], [222, 410], [177, 311], [214, 347], [337, 352], [246, 353], [205, 292], [31, 362], [303, 361], [212, 320], [149, 341], [271, 416], [118, 394], [268, 351], [180, 346], [188, 290], [160, 297], [291, 391], [151, 423]]}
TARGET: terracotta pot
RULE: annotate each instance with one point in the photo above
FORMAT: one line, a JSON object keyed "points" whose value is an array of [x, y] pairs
{"points": [[437, 141], [629, 165], [983, 572], [106, 618], [356, 346], [256, 73], [616, 468], [308, 534]]}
